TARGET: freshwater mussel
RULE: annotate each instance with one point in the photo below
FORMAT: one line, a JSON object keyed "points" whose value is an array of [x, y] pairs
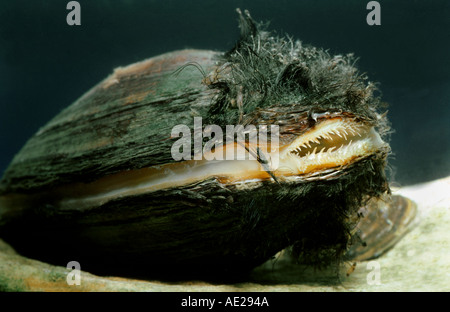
{"points": [[120, 181]]}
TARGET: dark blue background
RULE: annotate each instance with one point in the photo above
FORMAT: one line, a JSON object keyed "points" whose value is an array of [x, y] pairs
{"points": [[45, 64]]}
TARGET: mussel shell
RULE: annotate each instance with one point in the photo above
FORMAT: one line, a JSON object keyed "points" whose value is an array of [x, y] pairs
{"points": [[383, 224], [124, 123]]}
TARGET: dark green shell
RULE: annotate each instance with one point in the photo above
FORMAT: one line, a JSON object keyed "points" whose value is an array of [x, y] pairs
{"points": [[206, 227], [122, 123]]}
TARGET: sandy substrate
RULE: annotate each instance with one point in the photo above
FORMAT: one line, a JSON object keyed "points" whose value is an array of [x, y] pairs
{"points": [[419, 262]]}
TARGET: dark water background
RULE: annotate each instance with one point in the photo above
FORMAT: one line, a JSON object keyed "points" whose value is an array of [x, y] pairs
{"points": [[45, 64]]}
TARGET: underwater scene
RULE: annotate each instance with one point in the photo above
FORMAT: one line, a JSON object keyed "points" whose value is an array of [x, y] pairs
{"points": [[224, 146]]}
